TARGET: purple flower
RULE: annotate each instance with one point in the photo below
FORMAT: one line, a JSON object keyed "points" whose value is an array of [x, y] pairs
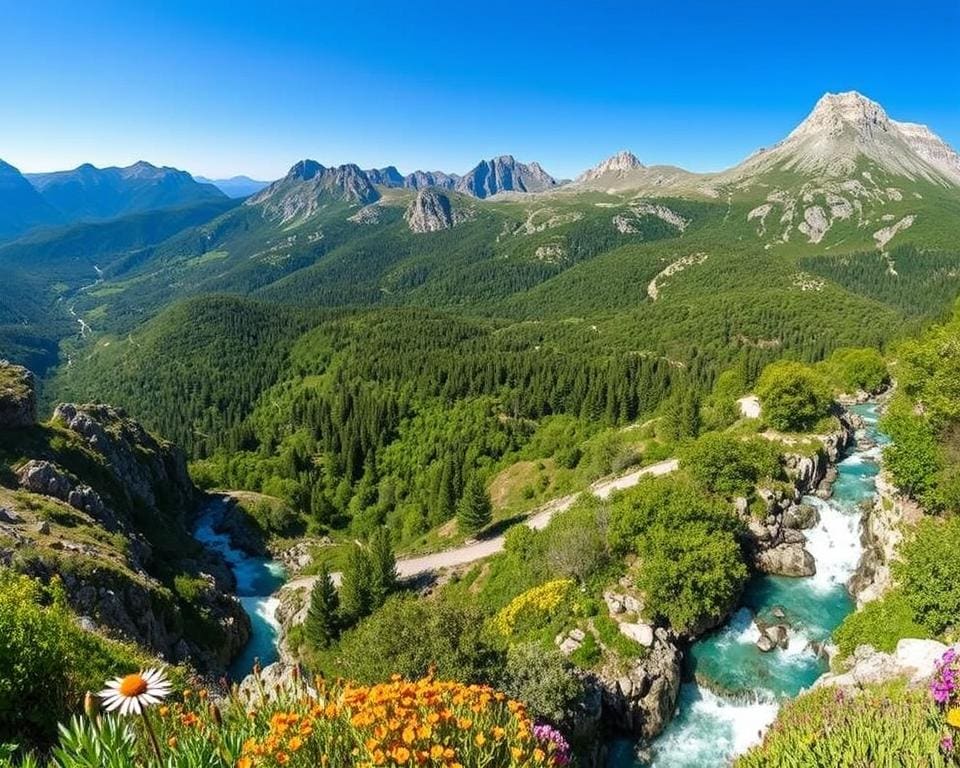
{"points": [[554, 742], [946, 745], [943, 686]]}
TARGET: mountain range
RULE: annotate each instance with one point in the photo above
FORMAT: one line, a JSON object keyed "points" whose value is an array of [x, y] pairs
{"points": [[235, 186]]}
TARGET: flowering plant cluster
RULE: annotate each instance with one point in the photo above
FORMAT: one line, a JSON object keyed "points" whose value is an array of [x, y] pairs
{"points": [[945, 689], [138, 720], [530, 605]]}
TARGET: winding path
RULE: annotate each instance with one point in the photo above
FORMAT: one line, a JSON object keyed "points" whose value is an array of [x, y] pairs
{"points": [[478, 550]]}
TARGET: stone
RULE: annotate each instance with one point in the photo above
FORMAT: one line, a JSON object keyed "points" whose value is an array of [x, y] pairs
{"points": [[641, 633], [568, 646], [45, 478], [42, 527], [765, 643], [577, 634], [786, 560], [778, 612], [7, 515], [801, 516], [614, 602]]}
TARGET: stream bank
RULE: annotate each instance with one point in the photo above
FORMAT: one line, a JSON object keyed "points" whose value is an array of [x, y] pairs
{"points": [[734, 689], [258, 578]]}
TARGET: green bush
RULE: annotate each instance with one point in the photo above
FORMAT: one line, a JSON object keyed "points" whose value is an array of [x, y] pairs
{"points": [[880, 623], [913, 458], [927, 574], [885, 726], [46, 660], [575, 541], [794, 395], [859, 369], [543, 679], [725, 464], [409, 637]]}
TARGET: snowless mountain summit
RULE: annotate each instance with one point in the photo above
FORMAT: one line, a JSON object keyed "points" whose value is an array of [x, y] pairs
{"points": [[844, 128]]}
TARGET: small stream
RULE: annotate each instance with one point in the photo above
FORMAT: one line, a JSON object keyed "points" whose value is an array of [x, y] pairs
{"points": [[738, 689], [258, 578]]}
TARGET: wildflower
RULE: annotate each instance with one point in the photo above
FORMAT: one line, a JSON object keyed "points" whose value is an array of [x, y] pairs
{"points": [[134, 693], [953, 717], [946, 745]]}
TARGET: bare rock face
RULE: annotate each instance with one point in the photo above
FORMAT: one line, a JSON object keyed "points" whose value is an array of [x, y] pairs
{"points": [[309, 186], [913, 660], [787, 559], [641, 700], [432, 211], [18, 399], [504, 174]]}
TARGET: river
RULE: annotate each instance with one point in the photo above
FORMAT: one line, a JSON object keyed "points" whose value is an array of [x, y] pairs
{"points": [[737, 689], [258, 579]]}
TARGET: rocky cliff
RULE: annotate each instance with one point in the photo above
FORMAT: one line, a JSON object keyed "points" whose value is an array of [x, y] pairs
{"points": [[432, 211], [18, 401], [95, 500]]}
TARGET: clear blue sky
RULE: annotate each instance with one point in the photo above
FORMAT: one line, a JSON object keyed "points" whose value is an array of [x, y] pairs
{"points": [[242, 87]]}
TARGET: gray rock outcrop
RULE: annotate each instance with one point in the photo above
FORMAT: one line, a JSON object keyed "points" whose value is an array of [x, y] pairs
{"points": [[432, 211], [18, 398]]}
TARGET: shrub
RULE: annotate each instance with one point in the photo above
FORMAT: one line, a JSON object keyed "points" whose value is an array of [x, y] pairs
{"points": [[543, 680], [576, 541], [530, 609], [880, 623], [885, 726], [927, 573], [46, 660], [913, 458], [409, 637], [725, 464], [794, 395]]}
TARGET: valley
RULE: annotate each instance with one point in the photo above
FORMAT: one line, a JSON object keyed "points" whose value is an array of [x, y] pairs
{"points": [[648, 452]]}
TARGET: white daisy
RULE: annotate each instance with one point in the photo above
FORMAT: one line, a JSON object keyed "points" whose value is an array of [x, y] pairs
{"points": [[132, 694]]}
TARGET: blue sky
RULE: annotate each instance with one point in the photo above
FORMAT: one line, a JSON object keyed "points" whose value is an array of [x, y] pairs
{"points": [[220, 88]]}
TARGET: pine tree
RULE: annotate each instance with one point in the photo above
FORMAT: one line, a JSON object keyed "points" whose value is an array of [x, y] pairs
{"points": [[322, 625], [383, 567], [356, 598], [474, 511]]}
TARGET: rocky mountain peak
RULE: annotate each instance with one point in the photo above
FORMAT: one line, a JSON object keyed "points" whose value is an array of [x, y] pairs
{"points": [[617, 166], [308, 186], [432, 211], [18, 399], [836, 112], [504, 174]]}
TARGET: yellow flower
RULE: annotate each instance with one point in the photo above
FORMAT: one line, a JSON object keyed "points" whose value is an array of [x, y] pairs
{"points": [[245, 762], [953, 717]]}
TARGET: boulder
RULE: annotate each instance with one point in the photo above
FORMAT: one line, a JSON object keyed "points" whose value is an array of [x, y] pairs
{"points": [[786, 560], [765, 643], [801, 516], [913, 660], [7, 515], [641, 633], [45, 478]]}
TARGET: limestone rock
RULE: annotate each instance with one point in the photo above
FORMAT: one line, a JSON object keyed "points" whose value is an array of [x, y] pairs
{"points": [[641, 633], [801, 516], [786, 560], [432, 211]]}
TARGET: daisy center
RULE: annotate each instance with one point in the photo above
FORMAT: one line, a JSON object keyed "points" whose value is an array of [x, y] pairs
{"points": [[132, 685]]}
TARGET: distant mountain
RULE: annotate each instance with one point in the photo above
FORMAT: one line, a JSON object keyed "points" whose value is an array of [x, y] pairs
{"points": [[235, 186], [845, 129], [21, 206], [88, 193], [309, 186], [504, 174], [391, 177]]}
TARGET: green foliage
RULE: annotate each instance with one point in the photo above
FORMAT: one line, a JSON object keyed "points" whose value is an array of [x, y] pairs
{"points": [[681, 416], [913, 458], [474, 511], [542, 679], [84, 744], [690, 563], [409, 636], [858, 369], [880, 623], [46, 660], [794, 396], [383, 566], [729, 465], [886, 726], [926, 574], [575, 541], [356, 587], [322, 624]]}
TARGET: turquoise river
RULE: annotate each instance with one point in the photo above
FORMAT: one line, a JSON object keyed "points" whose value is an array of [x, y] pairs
{"points": [[735, 690]]}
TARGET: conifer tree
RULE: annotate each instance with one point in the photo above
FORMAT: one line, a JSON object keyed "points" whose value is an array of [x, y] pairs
{"points": [[475, 510], [356, 596], [383, 567], [322, 625]]}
